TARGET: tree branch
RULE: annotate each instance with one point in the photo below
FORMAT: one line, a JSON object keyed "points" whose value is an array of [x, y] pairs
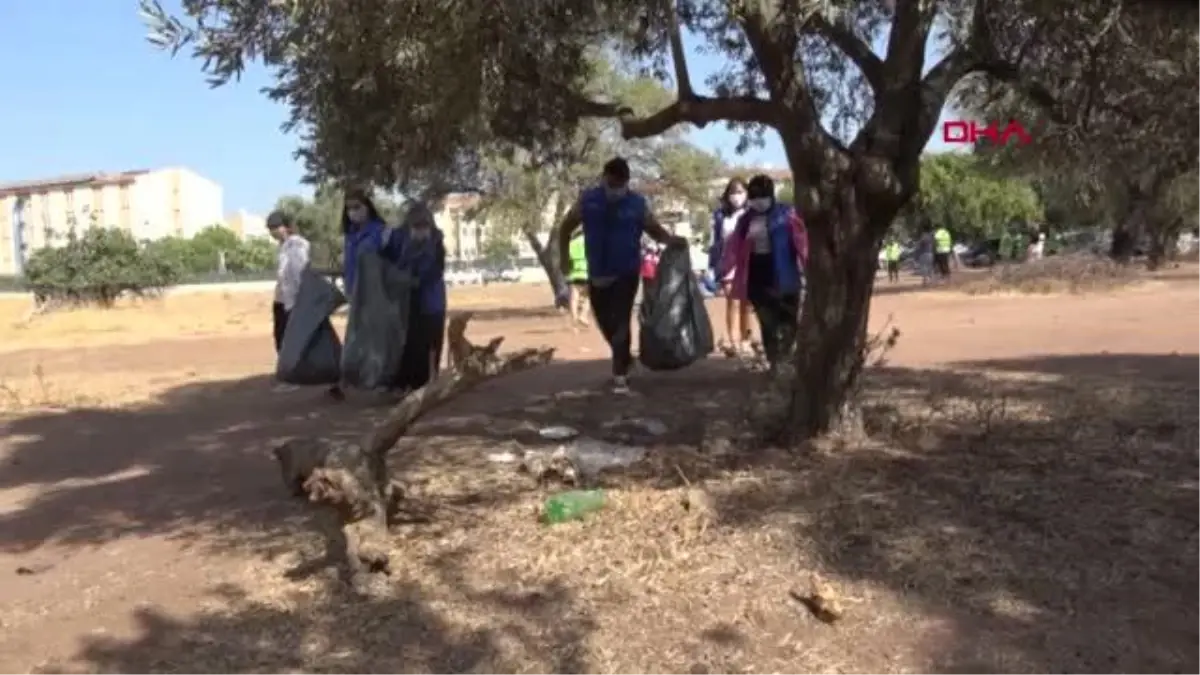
{"points": [[683, 81], [698, 110], [855, 49]]}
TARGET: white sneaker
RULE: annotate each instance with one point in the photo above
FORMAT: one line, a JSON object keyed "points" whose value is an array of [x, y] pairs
{"points": [[284, 388], [620, 384]]}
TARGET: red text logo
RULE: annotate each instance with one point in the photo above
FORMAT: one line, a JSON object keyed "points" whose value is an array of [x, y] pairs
{"points": [[966, 131]]}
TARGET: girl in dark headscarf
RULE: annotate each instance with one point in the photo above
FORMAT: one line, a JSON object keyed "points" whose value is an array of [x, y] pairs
{"points": [[420, 248]]}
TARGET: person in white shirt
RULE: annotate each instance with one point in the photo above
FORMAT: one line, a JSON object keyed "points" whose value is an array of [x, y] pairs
{"points": [[293, 258]]}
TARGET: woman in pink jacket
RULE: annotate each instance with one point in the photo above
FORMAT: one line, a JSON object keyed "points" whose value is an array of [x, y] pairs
{"points": [[767, 253]]}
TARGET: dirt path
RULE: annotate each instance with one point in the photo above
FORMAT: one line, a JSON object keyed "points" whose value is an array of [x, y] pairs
{"points": [[104, 513]]}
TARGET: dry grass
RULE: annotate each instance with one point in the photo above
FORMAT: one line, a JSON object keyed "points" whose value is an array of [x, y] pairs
{"points": [[991, 524], [1057, 274], [191, 315]]}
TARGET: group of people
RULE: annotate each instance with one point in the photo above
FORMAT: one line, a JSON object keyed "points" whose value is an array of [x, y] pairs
{"points": [[758, 257], [759, 253], [933, 253], [416, 245]]}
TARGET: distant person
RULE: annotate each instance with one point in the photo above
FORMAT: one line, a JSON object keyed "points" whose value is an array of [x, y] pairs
{"points": [[419, 247], [923, 254], [613, 219], [293, 258], [943, 248], [737, 312], [577, 281], [1008, 247], [891, 258], [768, 253], [649, 270], [1037, 244]]}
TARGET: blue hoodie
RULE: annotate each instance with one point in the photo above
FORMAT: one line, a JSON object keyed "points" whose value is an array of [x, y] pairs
{"points": [[368, 237], [426, 259]]}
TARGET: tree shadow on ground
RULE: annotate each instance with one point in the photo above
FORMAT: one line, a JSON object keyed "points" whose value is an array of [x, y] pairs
{"points": [[993, 523], [326, 629], [1053, 519], [1181, 368]]}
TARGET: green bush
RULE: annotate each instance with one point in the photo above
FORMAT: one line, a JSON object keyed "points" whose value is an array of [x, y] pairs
{"points": [[96, 268], [200, 256]]}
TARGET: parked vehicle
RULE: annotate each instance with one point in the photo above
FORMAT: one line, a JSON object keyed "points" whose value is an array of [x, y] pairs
{"points": [[507, 274], [463, 274], [981, 254]]}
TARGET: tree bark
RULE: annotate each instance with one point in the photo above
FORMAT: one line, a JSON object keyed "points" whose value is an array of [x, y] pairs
{"points": [[352, 481], [844, 240], [545, 259]]}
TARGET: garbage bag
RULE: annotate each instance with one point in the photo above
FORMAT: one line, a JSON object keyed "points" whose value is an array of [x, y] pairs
{"points": [[675, 328], [311, 352], [378, 323]]}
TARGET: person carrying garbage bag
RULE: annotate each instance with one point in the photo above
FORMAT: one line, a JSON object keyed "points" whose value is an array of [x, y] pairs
{"points": [[380, 295], [420, 250], [613, 219], [767, 253]]}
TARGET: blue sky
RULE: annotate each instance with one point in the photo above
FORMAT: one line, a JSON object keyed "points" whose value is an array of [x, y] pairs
{"points": [[85, 92]]}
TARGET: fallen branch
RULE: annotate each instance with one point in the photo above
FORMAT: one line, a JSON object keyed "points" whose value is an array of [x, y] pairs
{"points": [[353, 481]]}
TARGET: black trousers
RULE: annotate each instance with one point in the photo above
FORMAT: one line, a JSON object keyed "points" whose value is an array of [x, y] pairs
{"points": [[612, 305], [422, 357], [777, 316], [279, 320], [941, 263], [893, 270]]}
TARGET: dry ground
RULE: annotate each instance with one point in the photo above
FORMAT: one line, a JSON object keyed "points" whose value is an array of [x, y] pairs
{"points": [[1028, 502]]}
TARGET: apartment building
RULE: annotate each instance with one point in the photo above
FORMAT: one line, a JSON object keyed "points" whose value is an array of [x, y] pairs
{"points": [[465, 234], [151, 204], [246, 224]]}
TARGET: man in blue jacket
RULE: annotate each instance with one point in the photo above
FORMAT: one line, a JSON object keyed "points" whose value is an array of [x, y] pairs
{"points": [[613, 219]]}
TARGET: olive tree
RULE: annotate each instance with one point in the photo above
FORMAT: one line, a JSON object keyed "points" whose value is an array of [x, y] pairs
{"points": [[407, 92], [1120, 133]]}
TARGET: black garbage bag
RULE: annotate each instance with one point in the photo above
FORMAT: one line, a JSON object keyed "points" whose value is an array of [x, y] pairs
{"points": [[675, 328], [378, 323], [311, 352]]}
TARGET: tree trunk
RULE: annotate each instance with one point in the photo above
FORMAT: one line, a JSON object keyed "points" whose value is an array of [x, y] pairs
{"points": [[545, 258], [832, 336]]}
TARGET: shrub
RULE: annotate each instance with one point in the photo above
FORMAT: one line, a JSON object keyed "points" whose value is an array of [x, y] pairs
{"points": [[1058, 274], [96, 268]]}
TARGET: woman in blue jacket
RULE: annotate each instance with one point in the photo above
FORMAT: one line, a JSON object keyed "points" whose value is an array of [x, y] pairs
{"points": [[363, 229], [418, 246]]}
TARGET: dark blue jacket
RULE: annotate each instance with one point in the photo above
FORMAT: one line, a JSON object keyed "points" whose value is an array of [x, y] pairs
{"points": [[718, 239], [369, 237], [426, 260], [612, 232]]}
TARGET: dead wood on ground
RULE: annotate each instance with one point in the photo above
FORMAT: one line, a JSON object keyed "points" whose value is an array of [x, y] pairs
{"points": [[352, 481]]}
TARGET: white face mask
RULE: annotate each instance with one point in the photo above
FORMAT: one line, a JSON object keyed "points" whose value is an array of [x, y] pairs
{"points": [[761, 204], [737, 199]]}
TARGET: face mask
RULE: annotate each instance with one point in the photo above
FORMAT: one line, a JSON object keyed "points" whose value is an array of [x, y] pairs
{"points": [[357, 215], [737, 200], [761, 204], [614, 194]]}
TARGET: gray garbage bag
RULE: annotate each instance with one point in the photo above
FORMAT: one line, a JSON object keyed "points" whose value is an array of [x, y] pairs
{"points": [[377, 326], [675, 328], [311, 352]]}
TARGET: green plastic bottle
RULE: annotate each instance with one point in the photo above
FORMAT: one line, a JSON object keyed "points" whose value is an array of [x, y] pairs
{"points": [[571, 505]]}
